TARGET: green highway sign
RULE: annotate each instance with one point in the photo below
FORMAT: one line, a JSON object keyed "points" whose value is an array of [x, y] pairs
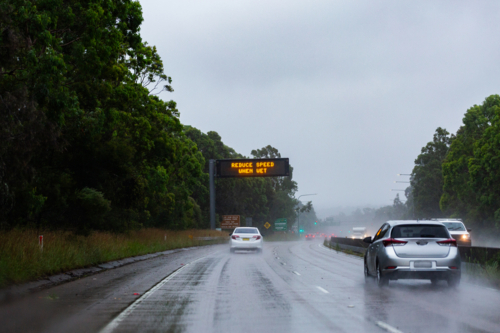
{"points": [[280, 225]]}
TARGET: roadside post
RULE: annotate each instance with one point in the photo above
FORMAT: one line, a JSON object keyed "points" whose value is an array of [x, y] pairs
{"points": [[40, 242]]}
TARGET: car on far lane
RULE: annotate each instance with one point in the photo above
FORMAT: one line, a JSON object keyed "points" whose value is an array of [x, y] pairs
{"points": [[310, 236], [247, 238], [457, 230], [412, 250]]}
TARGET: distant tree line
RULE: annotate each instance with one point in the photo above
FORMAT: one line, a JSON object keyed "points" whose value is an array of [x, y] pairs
{"points": [[456, 175], [86, 144]]}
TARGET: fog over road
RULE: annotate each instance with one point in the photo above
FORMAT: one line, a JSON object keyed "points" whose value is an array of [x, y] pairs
{"points": [[291, 287]]}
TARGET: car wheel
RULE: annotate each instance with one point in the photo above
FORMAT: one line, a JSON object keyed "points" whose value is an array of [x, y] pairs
{"points": [[368, 277], [453, 281], [381, 280]]}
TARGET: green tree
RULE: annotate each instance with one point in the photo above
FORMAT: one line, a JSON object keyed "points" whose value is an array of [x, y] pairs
{"points": [[427, 179], [459, 197], [79, 112]]}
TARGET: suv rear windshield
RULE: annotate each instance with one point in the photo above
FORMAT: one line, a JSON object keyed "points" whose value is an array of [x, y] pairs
{"points": [[245, 231], [419, 231], [454, 226]]}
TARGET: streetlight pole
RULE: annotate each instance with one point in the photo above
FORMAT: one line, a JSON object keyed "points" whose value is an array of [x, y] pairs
{"points": [[298, 213]]}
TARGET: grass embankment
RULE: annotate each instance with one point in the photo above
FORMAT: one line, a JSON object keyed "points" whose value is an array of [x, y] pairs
{"points": [[22, 260]]}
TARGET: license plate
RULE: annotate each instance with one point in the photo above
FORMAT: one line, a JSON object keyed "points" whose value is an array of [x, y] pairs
{"points": [[422, 264], [247, 239]]}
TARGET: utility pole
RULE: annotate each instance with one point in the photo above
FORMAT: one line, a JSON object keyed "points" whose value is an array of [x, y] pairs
{"points": [[298, 212]]}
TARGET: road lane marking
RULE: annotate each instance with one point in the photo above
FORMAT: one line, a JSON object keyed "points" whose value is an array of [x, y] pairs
{"points": [[115, 322], [296, 273], [387, 327], [283, 263], [322, 290]]}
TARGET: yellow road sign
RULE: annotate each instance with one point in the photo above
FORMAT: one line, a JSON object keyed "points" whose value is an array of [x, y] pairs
{"points": [[267, 225]]}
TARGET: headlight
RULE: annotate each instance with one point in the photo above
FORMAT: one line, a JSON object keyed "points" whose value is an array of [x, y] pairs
{"points": [[465, 236]]}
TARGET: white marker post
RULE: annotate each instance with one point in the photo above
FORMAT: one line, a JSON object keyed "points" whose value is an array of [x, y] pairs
{"points": [[40, 242]]}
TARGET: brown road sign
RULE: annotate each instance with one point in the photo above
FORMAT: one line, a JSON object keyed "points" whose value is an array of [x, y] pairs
{"points": [[230, 221]]}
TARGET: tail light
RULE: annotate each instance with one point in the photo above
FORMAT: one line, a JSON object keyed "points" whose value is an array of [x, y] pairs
{"points": [[453, 267], [448, 242], [314, 236], [392, 241], [235, 236], [307, 236], [390, 267], [256, 237]]}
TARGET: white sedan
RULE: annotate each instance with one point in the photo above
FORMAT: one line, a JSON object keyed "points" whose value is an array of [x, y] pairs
{"points": [[246, 239]]}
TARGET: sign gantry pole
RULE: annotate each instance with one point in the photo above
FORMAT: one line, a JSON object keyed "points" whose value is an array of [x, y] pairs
{"points": [[243, 168], [211, 171]]}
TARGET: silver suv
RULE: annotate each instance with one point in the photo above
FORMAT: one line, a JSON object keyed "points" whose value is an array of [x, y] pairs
{"points": [[457, 230], [412, 250]]}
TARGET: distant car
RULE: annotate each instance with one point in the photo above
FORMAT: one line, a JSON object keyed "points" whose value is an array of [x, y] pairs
{"points": [[358, 233], [310, 236], [247, 238], [412, 250], [457, 230]]}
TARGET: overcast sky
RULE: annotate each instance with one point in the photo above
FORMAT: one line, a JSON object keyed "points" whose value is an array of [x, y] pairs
{"points": [[350, 91]]}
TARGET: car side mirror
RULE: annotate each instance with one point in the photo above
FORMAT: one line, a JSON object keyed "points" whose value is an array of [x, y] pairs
{"points": [[469, 230], [367, 240]]}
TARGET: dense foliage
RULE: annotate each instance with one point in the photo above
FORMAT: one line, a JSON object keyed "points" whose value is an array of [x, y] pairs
{"points": [[85, 142], [427, 179], [459, 175], [455, 176], [471, 168]]}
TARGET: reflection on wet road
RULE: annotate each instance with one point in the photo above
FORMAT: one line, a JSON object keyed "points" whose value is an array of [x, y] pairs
{"points": [[291, 287]]}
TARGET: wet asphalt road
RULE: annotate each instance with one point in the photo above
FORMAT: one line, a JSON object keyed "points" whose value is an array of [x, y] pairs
{"points": [[291, 287]]}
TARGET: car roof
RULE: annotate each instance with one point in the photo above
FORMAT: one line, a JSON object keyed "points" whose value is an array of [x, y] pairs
{"points": [[403, 222], [449, 220]]}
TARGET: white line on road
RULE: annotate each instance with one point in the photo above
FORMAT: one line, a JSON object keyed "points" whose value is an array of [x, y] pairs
{"points": [[387, 327], [114, 324], [323, 290], [296, 273], [283, 263]]}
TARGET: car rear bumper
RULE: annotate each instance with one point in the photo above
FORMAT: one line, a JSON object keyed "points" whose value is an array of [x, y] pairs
{"points": [[407, 273], [246, 245], [407, 268]]}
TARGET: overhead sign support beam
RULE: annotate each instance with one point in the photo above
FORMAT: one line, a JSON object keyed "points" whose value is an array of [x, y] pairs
{"points": [[242, 168], [211, 171]]}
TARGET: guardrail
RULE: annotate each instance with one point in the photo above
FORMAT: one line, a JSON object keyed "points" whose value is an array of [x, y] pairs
{"points": [[474, 254]]}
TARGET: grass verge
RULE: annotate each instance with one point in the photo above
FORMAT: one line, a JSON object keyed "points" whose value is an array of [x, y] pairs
{"points": [[22, 260]]}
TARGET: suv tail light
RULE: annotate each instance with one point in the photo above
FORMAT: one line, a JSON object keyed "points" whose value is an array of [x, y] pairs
{"points": [[392, 241], [448, 242], [235, 236], [256, 237]]}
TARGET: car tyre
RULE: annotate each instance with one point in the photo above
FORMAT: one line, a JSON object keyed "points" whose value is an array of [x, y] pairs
{"points": [[381, 280], [368, 277]]}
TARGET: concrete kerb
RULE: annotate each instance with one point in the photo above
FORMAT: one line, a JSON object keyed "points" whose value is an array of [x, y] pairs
{"points": [[15, 291]]}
